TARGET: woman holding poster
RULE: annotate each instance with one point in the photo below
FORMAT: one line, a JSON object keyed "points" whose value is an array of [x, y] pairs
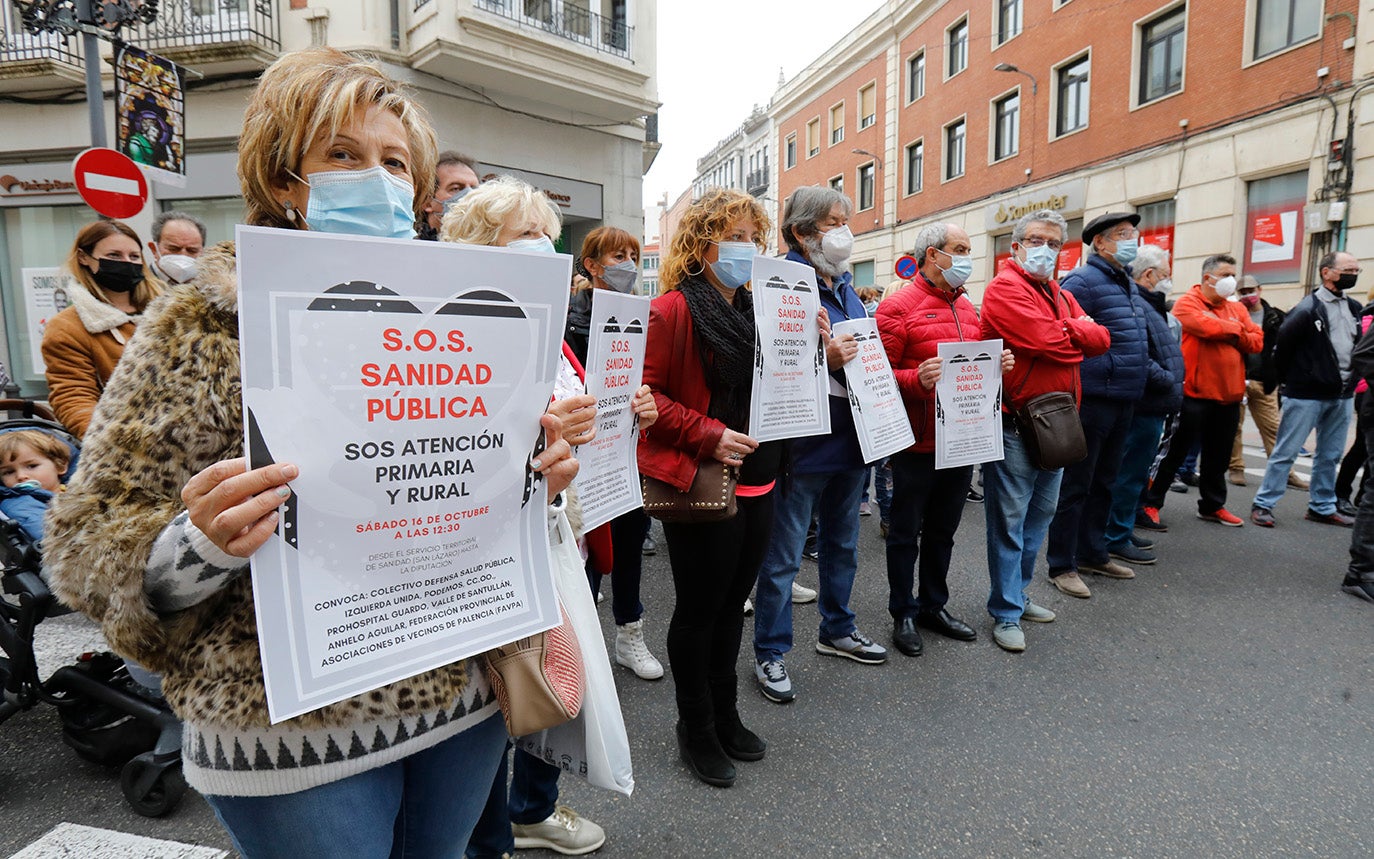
{"points": [[152, 538], [699, 364]]}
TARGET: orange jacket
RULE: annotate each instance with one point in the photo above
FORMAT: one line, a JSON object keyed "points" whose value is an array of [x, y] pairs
{"points": [[1216, 338]]}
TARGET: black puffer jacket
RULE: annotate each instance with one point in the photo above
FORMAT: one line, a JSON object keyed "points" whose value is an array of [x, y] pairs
{"points": [[1304, 358], [1260, 366]]}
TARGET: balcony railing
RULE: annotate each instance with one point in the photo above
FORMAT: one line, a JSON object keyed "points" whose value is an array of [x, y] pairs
{"points": [[211, 23], [571, 22], [18, 45], [756, 182]]}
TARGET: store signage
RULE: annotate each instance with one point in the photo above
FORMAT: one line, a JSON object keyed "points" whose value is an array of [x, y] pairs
{"points": [[572, 196], [110, 182], [1064, 199]]}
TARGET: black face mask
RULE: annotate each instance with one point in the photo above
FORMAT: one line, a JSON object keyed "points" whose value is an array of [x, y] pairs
{"points": [[1346, 281], [118, 275]]}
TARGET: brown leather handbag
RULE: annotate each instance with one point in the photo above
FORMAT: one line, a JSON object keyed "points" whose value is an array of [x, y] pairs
{"points": [[1049, 425], [711, 498]]}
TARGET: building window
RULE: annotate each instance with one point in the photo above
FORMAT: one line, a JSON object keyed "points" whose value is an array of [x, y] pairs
{"points": [[1072, 89], [1161, 56], [1157, 225], [868, 106], [1273, 227], [915, 165], [837, 123], [916, 77], [1008, 19], [837, 183], [1006, 122], [791, 154], [956, 48], [863, 273], [866, 187], [1281, 24], [813, 138], [954, 149]]}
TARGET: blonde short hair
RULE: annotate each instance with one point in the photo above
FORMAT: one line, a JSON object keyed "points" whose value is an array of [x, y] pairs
{"points": [[492, 206], [310, 94]]}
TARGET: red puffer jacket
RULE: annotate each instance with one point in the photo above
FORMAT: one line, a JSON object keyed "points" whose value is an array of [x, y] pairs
{"points": [[912, 322]]}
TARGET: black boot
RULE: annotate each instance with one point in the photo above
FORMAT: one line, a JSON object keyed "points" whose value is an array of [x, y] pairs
{"points": [[703, 755], [738, 741]]}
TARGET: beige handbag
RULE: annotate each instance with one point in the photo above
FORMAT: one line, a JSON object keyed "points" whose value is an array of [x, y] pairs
{"points": [[538, 680]]}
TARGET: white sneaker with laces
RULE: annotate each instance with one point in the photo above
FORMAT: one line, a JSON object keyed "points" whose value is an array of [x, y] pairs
{"points": [[565, 831], [633, 653], [802, 594]]}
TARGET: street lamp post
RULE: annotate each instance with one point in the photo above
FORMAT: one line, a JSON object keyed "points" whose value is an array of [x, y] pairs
{"points": [[1035, 89]]}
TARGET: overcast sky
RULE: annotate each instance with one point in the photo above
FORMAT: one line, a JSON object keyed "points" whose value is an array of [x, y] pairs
{"points": [[719, 58]]}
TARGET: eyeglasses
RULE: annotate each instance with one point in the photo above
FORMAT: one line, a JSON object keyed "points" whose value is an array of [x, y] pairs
{"points": [[1128, 233], [1039, 243]]}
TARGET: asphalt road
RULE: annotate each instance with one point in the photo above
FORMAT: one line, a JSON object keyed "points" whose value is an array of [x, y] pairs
{"points": [[1218, 705]]}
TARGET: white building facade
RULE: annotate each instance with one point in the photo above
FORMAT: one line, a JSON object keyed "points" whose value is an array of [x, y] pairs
{"points": [[743, 161]]}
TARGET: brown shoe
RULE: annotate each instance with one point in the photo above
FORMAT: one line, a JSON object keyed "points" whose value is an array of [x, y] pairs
{"points": [[1109, 568], [1069, 583], [1297, 481], [1237, 477]]}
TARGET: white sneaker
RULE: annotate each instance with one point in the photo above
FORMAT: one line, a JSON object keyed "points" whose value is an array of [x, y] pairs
{"points": [[565, 831], [633, 653], [748, 607], [802, 594]]}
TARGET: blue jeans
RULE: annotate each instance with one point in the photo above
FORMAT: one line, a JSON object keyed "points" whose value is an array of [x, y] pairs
{"points": [[1136, 458], [879, 475], [1331, 418], [421, 806], [834, 496], [1019, 501], [532, 798]]}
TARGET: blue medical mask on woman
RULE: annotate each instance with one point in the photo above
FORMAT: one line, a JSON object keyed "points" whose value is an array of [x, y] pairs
{"points": [[1126, 250], [371, 202], [541, 245], [734, 265], [1039, 262]]}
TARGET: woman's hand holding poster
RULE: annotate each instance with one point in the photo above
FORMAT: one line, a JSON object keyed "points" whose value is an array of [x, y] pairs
{"points": [[406, 380]]}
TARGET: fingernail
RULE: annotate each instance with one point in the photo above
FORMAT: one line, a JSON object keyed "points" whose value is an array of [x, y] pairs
{"points": [[536, 464], [290, 472], [283, 492]]}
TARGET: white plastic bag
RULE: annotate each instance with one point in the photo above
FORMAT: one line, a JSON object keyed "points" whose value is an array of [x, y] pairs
{"points": [[594, 745]]}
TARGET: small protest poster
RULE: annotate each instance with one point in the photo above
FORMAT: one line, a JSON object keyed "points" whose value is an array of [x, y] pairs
{"points": [[608, 476], [791, 386], [406, 380], [874, 398], [968, 403], [45, 296], [150, 113]]}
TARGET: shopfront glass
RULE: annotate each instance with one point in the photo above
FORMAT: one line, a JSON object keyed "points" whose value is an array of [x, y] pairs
{"points": [[1273, 228]]}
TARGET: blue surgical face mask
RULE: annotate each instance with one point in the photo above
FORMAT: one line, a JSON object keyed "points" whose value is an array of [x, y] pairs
{"points": [[959, 271], [453, 201], [1039, 262], [622, 276], [1126, 250], [735, 263], [371, 202], [541, 245]]}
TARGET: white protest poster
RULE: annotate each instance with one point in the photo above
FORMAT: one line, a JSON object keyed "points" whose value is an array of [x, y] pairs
{"points": [[968, 403], [406, 380], [608, 473], [791, 396], [45, 296], [874, 398]]}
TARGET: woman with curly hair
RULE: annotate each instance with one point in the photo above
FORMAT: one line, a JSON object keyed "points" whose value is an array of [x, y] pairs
{"points": [[699, 365]]}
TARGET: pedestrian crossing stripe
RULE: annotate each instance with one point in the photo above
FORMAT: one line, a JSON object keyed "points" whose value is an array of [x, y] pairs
{"points": [[70, 839]]}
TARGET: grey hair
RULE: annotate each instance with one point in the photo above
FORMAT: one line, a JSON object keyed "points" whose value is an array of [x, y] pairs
{"points": [[1216, 261], [808, 205], [1043, 216], [930, 236], [1149, 257], [161, 221]]}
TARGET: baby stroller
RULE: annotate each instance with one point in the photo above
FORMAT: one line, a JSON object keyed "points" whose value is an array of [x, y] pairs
{"points": [[107, 717]]}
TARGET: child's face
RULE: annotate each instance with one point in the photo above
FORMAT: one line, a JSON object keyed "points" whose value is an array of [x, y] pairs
{"points": [[29, 464]]}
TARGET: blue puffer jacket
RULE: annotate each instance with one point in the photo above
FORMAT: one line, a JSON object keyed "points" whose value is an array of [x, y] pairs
{"points": [[1164, 390], [27, 507], [1108, 296]]}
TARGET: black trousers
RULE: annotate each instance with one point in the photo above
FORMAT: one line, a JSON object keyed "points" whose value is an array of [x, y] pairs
{"points": [[1213, 423], [1362, 535], [926, 508], [1079, 528], [714, 568], [1355, 457]]}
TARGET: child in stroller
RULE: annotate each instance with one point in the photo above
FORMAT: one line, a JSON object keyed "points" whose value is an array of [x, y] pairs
{"points": [[107, 716]]}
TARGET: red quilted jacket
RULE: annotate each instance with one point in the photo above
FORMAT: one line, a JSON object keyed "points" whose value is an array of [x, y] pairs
{"points": [[912, 322]]}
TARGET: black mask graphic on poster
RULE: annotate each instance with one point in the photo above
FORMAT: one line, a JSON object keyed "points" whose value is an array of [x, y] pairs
{"points": [[118, 275]]}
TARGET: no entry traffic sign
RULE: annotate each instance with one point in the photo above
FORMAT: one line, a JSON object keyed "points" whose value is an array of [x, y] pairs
{"points": [[110, 182]]}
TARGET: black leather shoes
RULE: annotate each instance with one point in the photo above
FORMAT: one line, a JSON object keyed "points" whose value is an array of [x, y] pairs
{"points": [[946, 624], [906, 637]]}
